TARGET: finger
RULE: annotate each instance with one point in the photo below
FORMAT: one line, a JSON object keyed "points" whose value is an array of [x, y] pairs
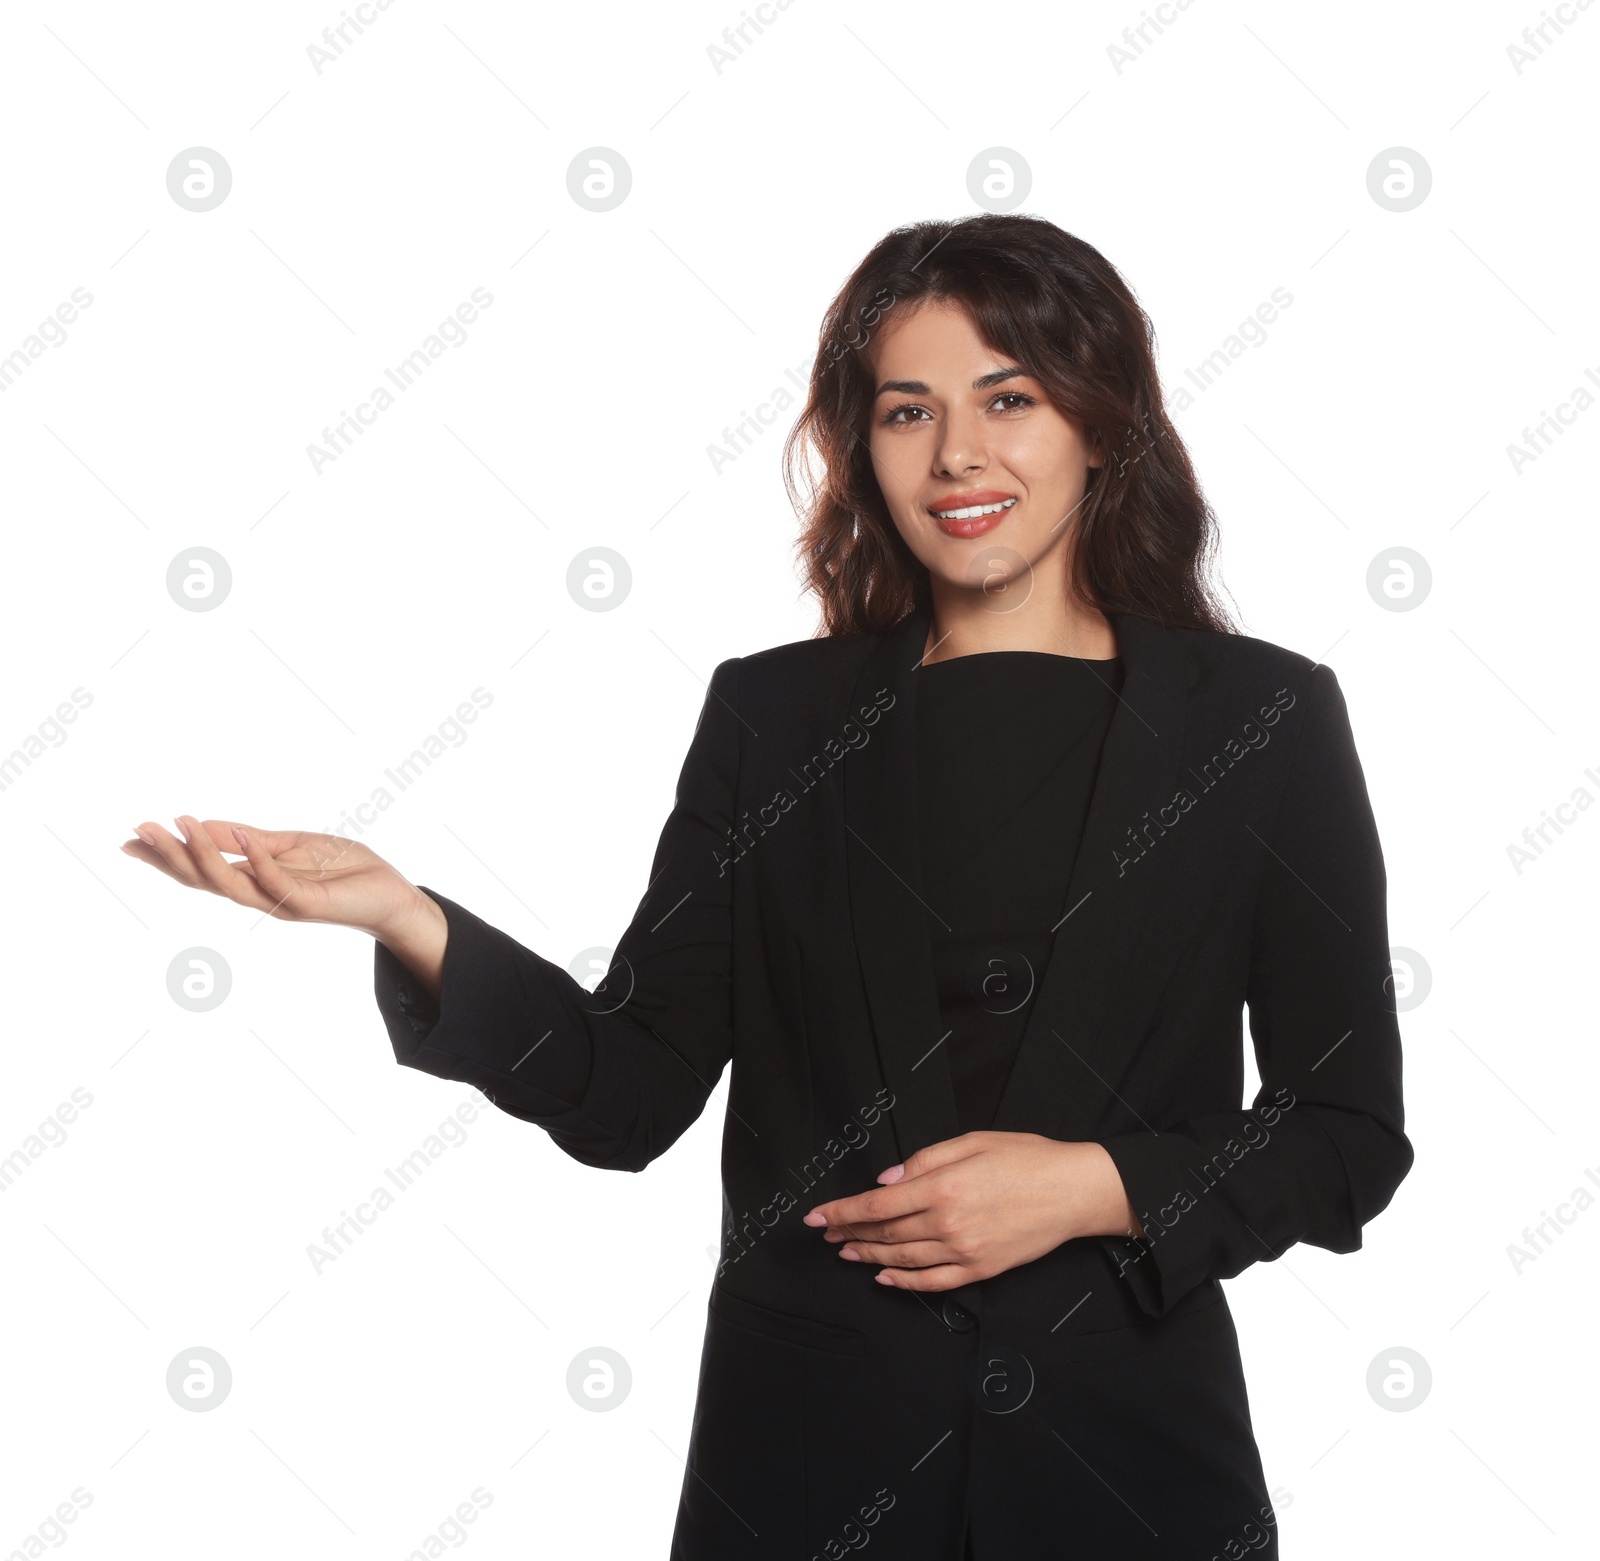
{"points": [[143, 853], [880, 1203], [911, 1254], [219, 873], [174, 853], [913, 1227], [932, 1156], [273, 840], [271, 880], [947, 1276]]}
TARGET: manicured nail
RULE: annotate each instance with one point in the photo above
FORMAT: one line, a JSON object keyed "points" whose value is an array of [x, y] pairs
{"points": [[893, 1174], [238, 834], [182, 830], [882, 1276], [834, 1236], [849, 1254], [815, 1217], [145, 835]]}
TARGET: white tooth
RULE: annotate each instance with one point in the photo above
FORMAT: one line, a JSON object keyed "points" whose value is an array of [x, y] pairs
{"points": [[973, 511]]}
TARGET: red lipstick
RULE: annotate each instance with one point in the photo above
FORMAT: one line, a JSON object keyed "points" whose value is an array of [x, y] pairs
{"points": [[953, 512]]}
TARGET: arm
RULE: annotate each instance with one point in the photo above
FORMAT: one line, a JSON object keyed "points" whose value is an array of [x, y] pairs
{"points": [[1323, 1148], [617, 1075]]}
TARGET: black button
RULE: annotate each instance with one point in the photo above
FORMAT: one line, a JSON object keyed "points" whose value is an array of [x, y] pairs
{"points": [[958, 1317]]}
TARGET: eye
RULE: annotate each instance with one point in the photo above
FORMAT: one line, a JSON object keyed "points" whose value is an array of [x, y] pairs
{"points": [[892, 418], [1018, 396]]}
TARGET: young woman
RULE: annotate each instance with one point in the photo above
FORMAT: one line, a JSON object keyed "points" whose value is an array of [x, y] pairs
{"points": [[973, 890]]}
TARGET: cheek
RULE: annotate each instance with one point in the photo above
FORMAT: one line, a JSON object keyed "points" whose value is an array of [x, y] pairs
{"points": [[1044, 456], [896, 468]]}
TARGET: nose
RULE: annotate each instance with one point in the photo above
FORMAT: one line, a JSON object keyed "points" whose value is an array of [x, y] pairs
{"points": [[961, 451]]}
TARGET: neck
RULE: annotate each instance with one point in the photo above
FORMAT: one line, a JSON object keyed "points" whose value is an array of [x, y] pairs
{"points": [[1046, 618]]}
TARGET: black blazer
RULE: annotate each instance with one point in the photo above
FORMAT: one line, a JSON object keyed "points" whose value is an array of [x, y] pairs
{"points": [[1090, 1402]]}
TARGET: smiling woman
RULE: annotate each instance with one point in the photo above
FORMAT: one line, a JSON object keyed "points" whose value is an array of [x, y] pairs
{"points": [[1004, 1334]]}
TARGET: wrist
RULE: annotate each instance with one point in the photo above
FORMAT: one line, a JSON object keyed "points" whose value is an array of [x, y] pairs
{"points": [[1099, 1202], [416, 936]]}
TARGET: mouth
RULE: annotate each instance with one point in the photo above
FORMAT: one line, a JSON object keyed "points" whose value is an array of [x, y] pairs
{"points": [[971, 514]]}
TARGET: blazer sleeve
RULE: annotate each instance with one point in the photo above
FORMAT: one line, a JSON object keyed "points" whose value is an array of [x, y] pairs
{"points": [[1323, 1147], [614, 1076]]}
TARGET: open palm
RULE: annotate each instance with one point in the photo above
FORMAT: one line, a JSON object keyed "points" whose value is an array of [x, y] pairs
{"points": [[288, 873]]}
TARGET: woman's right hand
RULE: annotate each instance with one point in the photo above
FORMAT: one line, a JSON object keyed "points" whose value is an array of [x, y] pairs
{"points": [[298, 876]]}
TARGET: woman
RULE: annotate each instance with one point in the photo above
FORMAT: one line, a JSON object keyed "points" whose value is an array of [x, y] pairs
{"points": [[972, 889]]}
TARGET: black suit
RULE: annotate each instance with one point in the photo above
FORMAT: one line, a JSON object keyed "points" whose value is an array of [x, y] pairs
{"points": [[1090, 1402]]}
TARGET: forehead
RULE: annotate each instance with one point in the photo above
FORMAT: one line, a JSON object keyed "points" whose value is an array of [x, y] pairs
{"points": [[928, 333]]}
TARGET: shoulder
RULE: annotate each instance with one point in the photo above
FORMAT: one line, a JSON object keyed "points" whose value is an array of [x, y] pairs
{"points": [[1225, 665], [806, 663]]}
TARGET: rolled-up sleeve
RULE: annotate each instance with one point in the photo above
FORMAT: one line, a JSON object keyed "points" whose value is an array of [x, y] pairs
{"points": [[615, 1076], [1322, 1149]]}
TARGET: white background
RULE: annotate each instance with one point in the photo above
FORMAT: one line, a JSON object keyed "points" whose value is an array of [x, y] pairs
{"points": [[368, 600]]}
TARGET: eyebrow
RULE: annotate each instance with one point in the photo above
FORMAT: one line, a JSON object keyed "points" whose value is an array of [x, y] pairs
{"points": [[916, 387]]}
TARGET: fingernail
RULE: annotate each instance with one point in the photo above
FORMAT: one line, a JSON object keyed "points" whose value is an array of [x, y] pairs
{"points": [[145, 835], [834, 1236], [849, 1254], [882, 1276], [181, 830], [893, 1174], [815, 1217], [238, 834]]}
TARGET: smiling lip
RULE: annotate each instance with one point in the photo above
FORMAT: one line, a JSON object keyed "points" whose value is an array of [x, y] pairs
{"points": [[971, 525]]}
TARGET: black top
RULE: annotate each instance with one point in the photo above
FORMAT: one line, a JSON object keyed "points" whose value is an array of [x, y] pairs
{"points": [[1008, 745]]}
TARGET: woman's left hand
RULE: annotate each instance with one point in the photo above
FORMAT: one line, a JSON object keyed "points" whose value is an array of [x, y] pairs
{"points": [[971, 1207]]}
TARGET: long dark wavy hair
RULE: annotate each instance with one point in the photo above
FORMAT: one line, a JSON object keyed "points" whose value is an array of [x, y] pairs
{"points": [[1145, 537]]}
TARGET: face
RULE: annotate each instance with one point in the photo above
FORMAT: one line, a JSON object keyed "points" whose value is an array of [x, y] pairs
{"points": [[969, 452]]}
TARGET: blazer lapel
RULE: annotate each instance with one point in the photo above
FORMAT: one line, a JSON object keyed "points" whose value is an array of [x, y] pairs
{"points": [[889, 915], [1067, 1066]]}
